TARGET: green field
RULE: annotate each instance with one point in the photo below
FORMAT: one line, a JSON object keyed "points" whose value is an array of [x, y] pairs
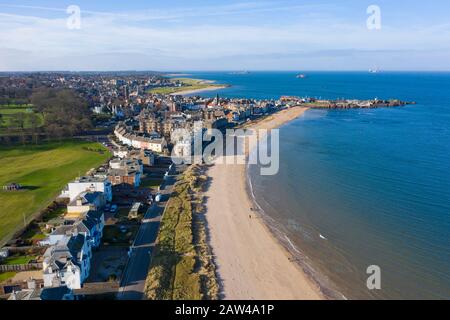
{"points": [[6, 276], [18, 260], [17, 117], [43, 171], [187, 84]]}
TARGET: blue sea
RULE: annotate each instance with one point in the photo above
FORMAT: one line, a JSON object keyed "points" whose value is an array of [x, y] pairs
{"points": [[360, 187]]}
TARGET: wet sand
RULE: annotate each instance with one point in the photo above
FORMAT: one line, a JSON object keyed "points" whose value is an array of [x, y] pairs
{"points": [[251, 263]]}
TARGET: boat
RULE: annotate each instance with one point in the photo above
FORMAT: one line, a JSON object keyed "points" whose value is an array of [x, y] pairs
{"points": [[301, 76]]}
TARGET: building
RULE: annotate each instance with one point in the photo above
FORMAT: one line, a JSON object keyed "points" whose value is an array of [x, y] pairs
{"points": [[147, 157], [148, 143], [68, 262], [58, 235], [149, 123], [122, 152], [91, 225], [85, 202], [214, 118], [88, 184], [125, 171], [127, 137], [50, 294], [174, 107]]}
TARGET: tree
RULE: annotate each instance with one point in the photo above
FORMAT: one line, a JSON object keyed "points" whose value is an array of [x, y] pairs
{"points": [[65, 113], [20, 120]]}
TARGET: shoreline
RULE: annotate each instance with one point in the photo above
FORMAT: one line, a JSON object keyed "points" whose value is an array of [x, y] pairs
{"points": [[327, 291], [189, 92], [251, 262]]}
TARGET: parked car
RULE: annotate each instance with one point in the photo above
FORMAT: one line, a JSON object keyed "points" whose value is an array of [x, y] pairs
{"points": [[113, 208]]}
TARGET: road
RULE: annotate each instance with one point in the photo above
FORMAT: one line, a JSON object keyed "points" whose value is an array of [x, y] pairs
{"points": [[133, 281]]}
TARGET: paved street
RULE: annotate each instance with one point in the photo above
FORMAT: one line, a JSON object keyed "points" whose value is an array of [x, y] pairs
{"points": [[133, 281]]}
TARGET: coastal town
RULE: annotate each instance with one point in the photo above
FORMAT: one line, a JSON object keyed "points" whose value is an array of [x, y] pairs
{"points": [[96, 239], [223, 159]]}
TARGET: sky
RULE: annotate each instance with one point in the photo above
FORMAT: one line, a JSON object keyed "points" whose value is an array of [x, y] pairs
{"points": [[215, 35]]}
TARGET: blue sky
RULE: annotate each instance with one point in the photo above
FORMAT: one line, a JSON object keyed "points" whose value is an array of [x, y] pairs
{"points": [[224, 35]]}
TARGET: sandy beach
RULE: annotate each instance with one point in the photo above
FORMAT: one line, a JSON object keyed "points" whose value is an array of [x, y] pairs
{"points": [[251, 262], [189, 92]]}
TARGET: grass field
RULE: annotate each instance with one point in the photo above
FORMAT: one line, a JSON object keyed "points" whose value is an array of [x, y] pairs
{"points": [[6, 276], [43, 171], [18, 260], [18, 117], [187, 84]]}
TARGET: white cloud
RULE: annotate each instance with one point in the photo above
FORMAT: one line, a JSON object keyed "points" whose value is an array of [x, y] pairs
{"points": [[46, 43]]}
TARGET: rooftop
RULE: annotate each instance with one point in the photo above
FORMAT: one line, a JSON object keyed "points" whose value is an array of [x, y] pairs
{"points": [[88, 179]]}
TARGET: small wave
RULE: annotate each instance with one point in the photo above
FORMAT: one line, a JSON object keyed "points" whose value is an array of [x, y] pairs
{"points": [[324, 284], [291, 244]]}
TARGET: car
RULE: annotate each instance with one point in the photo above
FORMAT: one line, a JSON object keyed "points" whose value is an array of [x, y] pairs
{"points": [[113, 208]]}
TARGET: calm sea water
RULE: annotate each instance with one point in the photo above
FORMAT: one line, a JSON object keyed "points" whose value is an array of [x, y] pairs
{"points": [[361, 187]]}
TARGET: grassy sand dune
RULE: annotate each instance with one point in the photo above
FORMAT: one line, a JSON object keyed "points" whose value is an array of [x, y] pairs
{"points": [[182, 267]]}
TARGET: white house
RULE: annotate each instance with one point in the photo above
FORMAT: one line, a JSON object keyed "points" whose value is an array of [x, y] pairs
{"points": [[121, 153], [139, 142], [156, 145], [86, 202], [90, 184], [58, 235], [92, 227], [68, 262]]}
